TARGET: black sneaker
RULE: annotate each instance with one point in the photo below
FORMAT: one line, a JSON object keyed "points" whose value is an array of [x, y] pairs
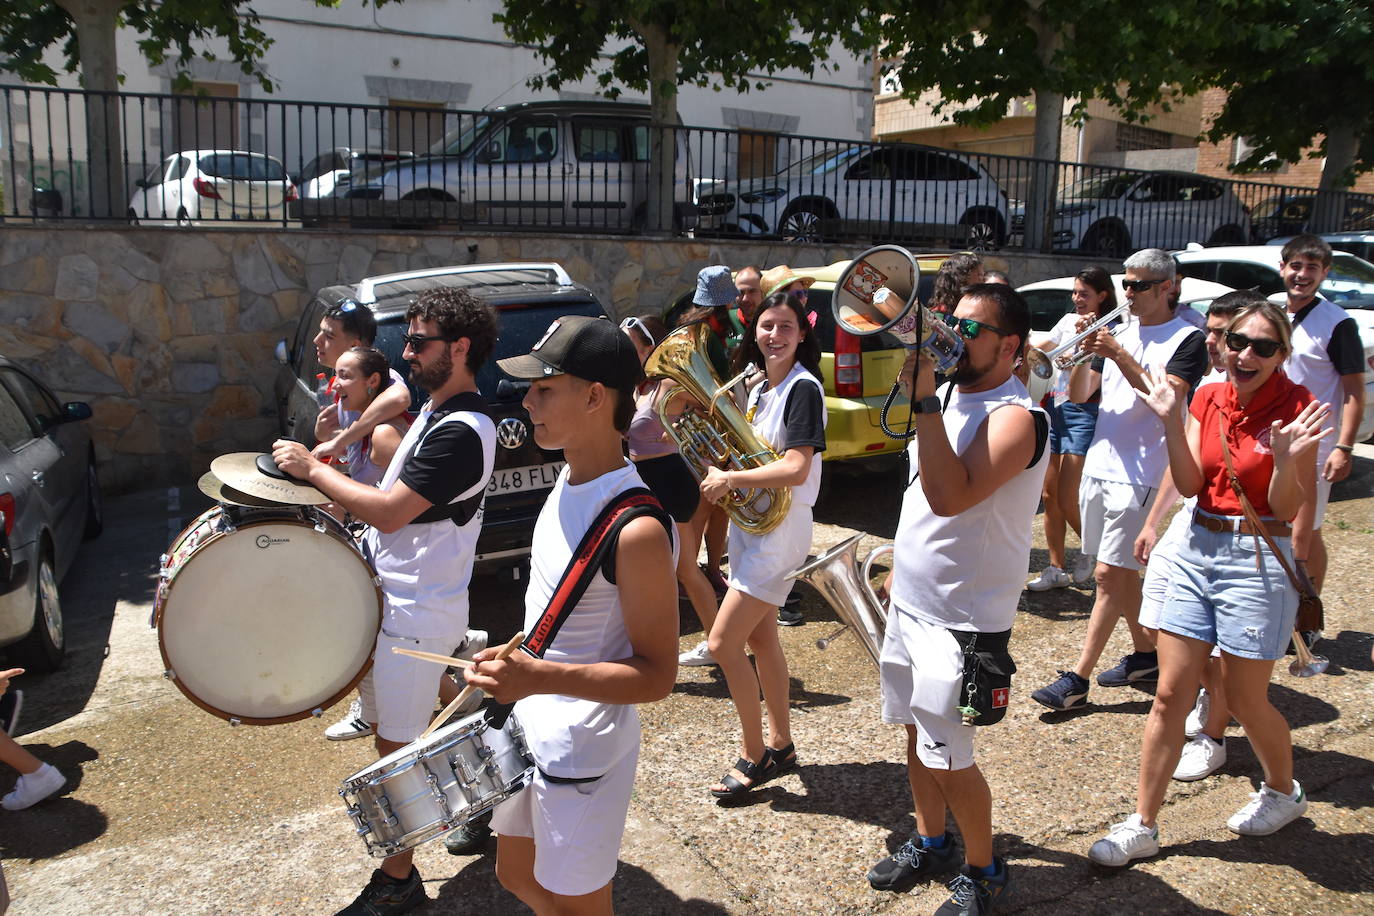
{"points": [[10, 704], [790, 617], [1132, 669], [975, 893], [911, 863], [1069, 692], [384, 895], [471, 838]]}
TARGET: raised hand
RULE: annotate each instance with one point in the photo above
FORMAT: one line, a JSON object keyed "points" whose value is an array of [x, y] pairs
{"points": [[1164, 396], [1298, 440]]}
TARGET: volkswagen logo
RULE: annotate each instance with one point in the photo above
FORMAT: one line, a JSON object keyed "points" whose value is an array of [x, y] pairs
{"points": [[511, 433]]}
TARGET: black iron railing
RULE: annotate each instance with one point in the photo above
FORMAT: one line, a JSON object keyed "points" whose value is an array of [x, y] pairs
{"points": [[178, 159]]}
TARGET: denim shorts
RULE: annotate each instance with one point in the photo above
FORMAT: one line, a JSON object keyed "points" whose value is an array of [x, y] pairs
{"points": [[1216, 594], [1071, 427]]}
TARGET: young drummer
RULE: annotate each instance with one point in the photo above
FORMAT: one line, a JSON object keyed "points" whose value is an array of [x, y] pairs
{"points": [[559, 838]]}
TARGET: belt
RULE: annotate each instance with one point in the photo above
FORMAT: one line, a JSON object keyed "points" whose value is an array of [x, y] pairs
{"points": [[1272, 527]]}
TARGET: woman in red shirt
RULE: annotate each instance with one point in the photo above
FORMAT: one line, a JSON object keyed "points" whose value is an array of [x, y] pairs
{"points": [[1226, 588]]}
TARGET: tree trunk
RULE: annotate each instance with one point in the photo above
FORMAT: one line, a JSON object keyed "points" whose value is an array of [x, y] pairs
{"points": [[96, 21], [1044, 177], [1328, 211], [663, 66]]}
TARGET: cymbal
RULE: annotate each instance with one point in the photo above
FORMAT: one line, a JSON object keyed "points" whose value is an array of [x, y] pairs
{"points": [[240, 471], [221, 492]]}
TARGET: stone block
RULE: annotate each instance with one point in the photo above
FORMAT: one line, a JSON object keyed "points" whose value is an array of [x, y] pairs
{"points": [[198, 348], [32, 275], [21, 345], [126, 370], [147, 311], [221, 283], [89, 372], [94, 322], [233, 401], [97, 357], [113, 413], [142, 437], [36, 313], [252, 268], [259, 313], [21, 246], [625, 288], [195, 378], [322, 251], [355, 262]]}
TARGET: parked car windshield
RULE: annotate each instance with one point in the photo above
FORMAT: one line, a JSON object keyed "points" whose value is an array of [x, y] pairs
{"points": [[819, 164], [459, 140], [1108, 187], [1349, 272], [242, 167]]}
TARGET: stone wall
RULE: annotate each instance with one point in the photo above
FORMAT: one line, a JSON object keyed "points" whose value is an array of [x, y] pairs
{"points": [[169, 333]]}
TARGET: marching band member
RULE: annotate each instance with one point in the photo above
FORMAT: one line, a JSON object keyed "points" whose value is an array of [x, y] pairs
{"points": [[1226, 587], [787, 409], [558, 840], [424, 518], [962, 547]]}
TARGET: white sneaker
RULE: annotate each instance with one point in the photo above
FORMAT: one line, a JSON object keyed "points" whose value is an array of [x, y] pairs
{"points": [[697, 656], [33, 787], [1198, 717], [1201, 758], [1126, 841], [474, 642], [352, 725], [1268, 811], [1050, 577], [1082, 569]]}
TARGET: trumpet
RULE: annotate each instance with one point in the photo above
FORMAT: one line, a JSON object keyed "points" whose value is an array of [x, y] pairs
{"points": [[1066, 355]]}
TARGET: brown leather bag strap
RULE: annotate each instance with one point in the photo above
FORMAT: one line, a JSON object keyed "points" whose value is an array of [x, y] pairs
{"points": [[1300, 584]]}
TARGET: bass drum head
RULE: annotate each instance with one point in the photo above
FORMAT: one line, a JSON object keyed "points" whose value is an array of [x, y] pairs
{"points": [[270, 622]]}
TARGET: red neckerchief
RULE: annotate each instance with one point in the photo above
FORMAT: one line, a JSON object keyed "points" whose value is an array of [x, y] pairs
{"points": [[717, 325], [1275, 391]]}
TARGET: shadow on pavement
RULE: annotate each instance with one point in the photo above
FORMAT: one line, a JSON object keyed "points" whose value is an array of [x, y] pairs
{"points": [[61, 823], [475, 889], [1330, 860], [1348, 651]]}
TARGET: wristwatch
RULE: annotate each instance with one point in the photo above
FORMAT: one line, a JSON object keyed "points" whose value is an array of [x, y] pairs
{"points": [[927, 404]]}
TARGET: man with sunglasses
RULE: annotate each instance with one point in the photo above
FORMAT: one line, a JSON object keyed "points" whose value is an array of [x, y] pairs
{"points": [[1124, 466], [962, 546], [1327, 360], [423, 518]]}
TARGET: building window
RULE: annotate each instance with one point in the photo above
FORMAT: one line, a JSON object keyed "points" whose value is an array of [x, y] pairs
{"points": [[413, 126], [1242, 147], [758, 155], [210, 119], [1131, 137]]}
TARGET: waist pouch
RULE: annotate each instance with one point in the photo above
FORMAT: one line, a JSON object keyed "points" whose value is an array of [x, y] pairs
{"points": [[985, 693]]}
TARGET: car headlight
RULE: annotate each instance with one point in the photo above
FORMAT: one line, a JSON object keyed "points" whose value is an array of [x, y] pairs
{"points": [[764, 196]]}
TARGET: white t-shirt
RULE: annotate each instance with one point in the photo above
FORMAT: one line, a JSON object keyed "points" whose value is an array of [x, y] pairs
{"points": [[425, 567], [567, 736], [966, 571], [1311, 362], [770, 421], [1128, 444]]}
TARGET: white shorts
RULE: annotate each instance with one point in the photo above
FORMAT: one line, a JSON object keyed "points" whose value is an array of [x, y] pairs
{"points": [[922, 668], [576, 827], [1323, 497], [759, 564], [398, 694], [1112, 515]]}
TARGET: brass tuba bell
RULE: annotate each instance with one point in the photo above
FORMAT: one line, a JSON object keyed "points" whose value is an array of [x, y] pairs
{"points": [[842, 582], [709, 429]]}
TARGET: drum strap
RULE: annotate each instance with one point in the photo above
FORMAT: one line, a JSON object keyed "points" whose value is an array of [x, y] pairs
{"points": [[592, 551]]}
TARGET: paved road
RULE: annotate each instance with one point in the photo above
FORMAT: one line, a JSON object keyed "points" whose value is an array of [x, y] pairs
{"points": [[171, 811]]}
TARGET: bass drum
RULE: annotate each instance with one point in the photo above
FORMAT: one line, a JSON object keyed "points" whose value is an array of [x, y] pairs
{"points": [[266, 615]]}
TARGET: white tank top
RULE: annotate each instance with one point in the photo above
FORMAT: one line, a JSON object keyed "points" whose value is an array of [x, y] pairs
{"points": [[770, 423], [965, 572]]}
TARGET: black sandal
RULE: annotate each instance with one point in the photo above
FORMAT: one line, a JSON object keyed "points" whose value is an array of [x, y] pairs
{"points": [[779, 762], [754, 772]]}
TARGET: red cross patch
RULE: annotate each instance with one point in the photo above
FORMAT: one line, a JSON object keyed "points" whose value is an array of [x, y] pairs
{"points": [[1001, 696]]}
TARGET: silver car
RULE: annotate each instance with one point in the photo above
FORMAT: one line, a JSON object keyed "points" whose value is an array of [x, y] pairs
{"points": [[50, 501]]}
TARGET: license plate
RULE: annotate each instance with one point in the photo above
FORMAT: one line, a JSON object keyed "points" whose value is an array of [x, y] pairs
{"points": [[519, 480]]}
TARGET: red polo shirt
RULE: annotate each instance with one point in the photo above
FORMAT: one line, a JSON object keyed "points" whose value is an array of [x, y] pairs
{"points": [[1247, 434]]}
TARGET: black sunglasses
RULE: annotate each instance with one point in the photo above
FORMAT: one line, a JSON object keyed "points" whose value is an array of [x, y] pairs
{"points": [[1139, 286], [1264, 347], [417, 341], [969, 328]]}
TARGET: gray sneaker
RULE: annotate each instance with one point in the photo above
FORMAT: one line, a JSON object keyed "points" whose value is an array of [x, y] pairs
{"points": [[912, 863]]}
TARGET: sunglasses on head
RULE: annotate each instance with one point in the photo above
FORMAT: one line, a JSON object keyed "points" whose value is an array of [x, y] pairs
{"points": [[417, 341], [1139, 286], [1264, 347], [969, 328], [633, 322]]}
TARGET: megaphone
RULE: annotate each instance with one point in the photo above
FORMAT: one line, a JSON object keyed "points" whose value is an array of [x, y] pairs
{"points": [[877, 292]]}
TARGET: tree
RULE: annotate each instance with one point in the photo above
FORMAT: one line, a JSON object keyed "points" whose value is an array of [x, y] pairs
{"points": [[983, 55], [1299, 81], [664, 44], [85, 30]]}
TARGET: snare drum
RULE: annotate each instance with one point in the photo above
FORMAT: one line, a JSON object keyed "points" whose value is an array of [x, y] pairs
{"points": [[266, 615], [436, 783]]}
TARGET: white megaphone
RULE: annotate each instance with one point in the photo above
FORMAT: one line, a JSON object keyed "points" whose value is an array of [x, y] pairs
{"points": [[877, 292]]}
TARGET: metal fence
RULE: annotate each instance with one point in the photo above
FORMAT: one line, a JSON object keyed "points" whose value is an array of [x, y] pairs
{"points": [[579, 166]]}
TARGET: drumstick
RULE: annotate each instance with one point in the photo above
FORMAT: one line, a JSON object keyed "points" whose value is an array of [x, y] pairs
{"points": [[467, 691], [432, 657]]}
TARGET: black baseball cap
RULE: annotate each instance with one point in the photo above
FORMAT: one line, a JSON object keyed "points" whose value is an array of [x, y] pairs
{"points": [[592, 349]]}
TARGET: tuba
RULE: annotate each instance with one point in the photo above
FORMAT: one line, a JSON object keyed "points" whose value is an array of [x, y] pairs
{"points": [[837, 575], [709, 429]]}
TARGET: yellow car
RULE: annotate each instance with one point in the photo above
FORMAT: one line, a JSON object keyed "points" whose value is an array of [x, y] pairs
{"points": [[858, 374]]}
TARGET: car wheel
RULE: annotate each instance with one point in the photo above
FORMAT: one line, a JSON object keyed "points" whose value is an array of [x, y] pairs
{"points": [[983, 231], [803, 223], [95, 508], [1226, 235], [1107, 240], [46, 645]]}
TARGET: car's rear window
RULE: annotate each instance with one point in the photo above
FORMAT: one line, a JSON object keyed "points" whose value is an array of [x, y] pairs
{"points": [[242, 167]]}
